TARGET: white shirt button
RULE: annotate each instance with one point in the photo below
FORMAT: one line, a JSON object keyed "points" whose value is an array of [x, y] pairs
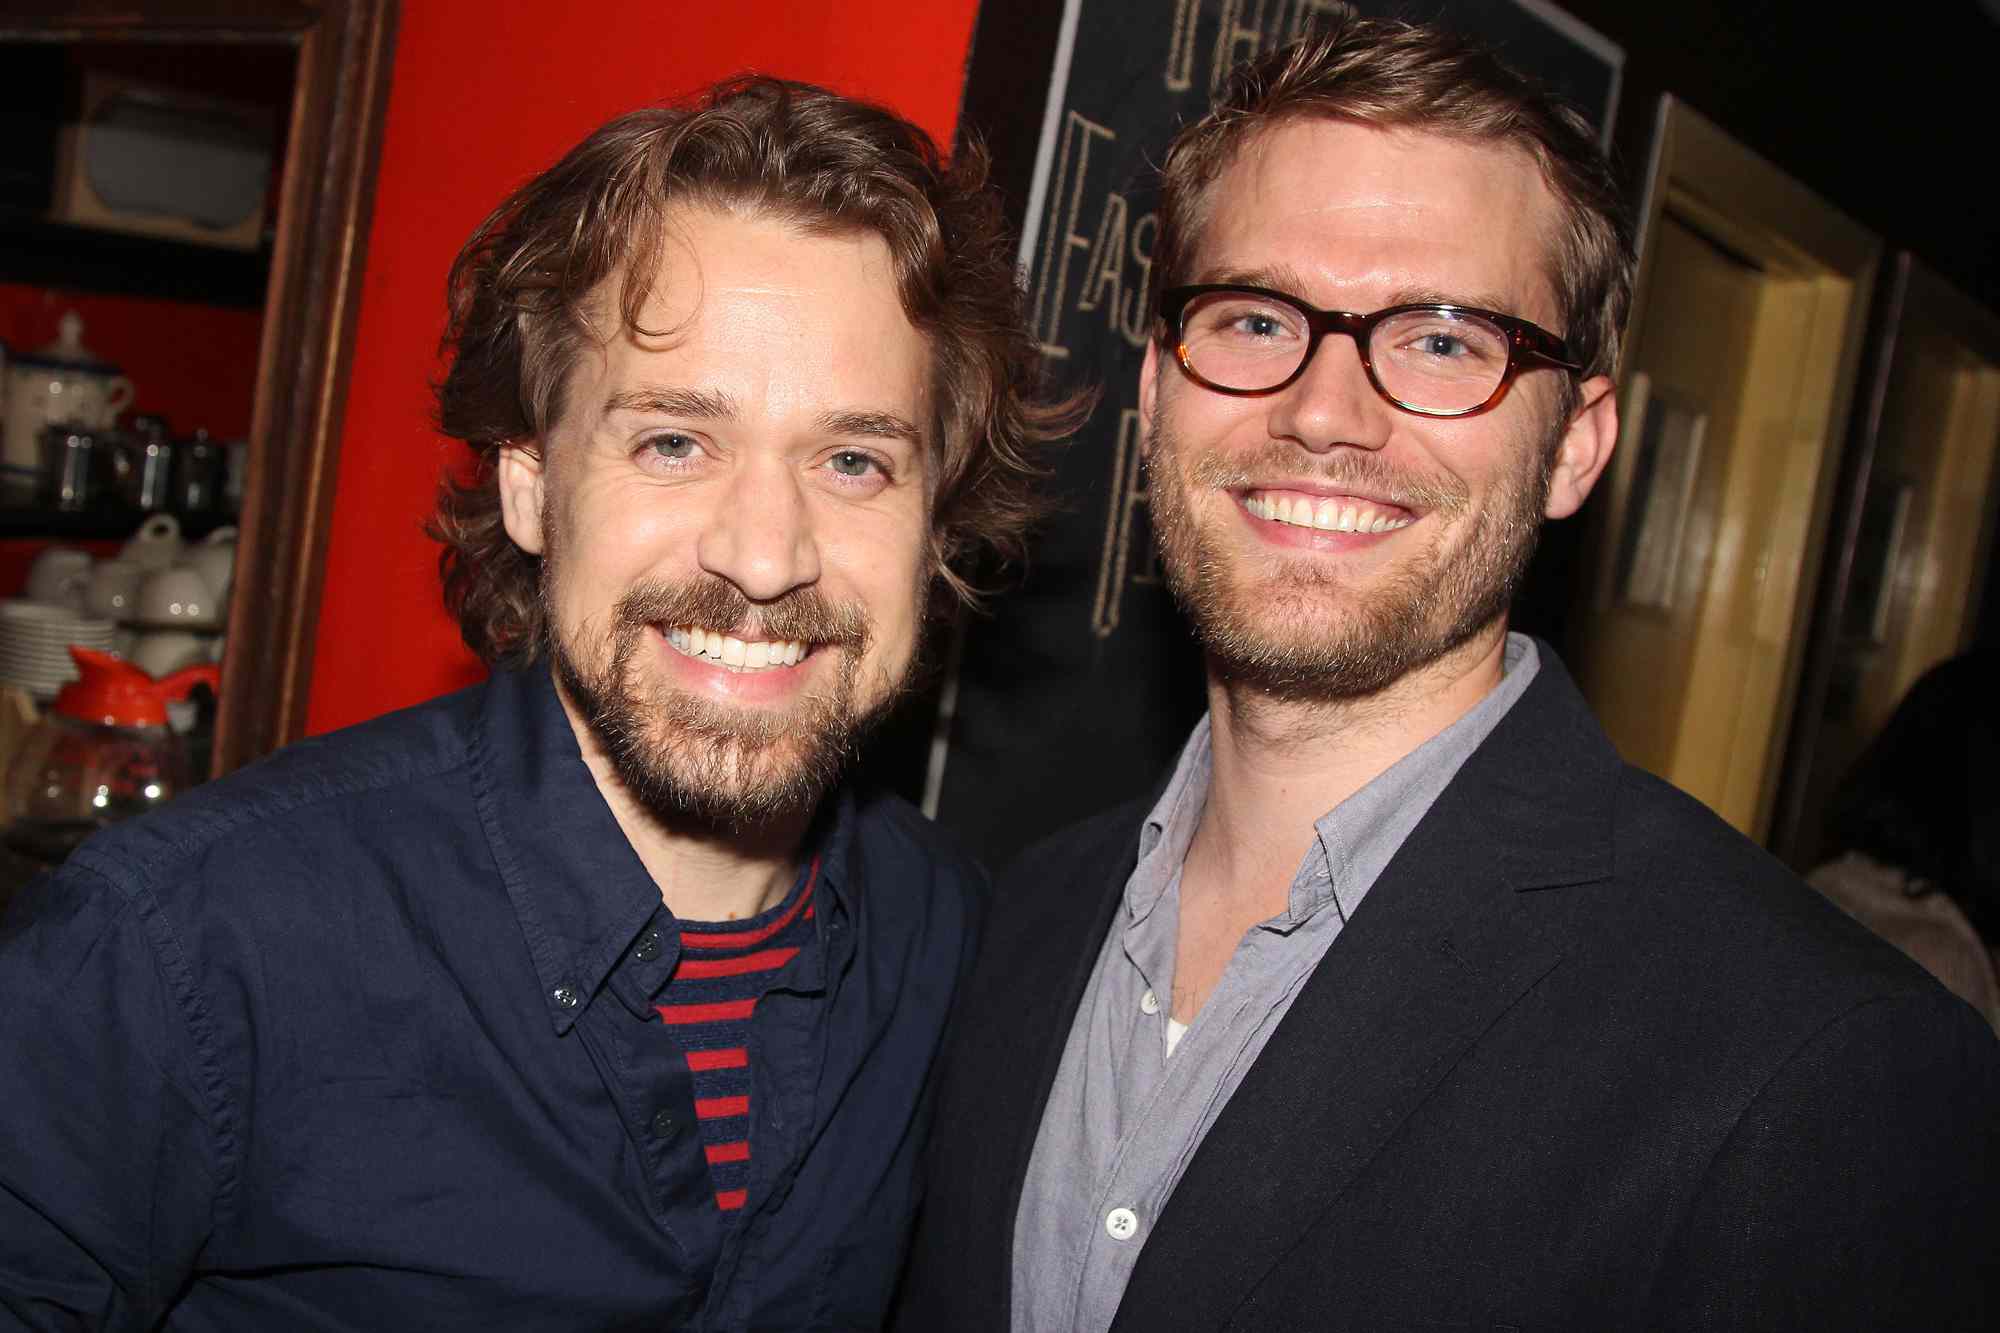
{"points": [[1121, 1223], [1149, 1003]]}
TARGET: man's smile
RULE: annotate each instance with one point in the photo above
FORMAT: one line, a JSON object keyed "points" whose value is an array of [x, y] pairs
{"points": [[1325, 513], [734, 654]]}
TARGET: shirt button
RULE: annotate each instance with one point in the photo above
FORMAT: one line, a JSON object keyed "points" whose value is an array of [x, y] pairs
{"points": [[566, 996], [663, 1124], [1121, 1224], [1149, 1003], [649, 947]]}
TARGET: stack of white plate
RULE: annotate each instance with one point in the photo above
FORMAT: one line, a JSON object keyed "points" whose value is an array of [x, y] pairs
{"points": [[34, 644]]}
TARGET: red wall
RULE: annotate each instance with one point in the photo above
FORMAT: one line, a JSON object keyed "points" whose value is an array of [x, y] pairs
{"points": [[483, 96]]}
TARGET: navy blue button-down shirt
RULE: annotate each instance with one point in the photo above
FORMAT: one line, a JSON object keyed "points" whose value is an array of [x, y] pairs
{"points": [[363, 1037]]}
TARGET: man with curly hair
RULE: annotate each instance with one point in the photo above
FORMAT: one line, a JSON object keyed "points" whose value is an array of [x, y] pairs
{"points": [[588, 997]]}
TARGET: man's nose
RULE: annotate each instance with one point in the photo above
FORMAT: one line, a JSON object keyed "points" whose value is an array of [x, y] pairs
{"points": [[1332, 402], [760, 536]]}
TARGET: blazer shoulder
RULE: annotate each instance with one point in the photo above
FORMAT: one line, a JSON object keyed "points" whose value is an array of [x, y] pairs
{"points": [[1656, 818], [1693, 878]]}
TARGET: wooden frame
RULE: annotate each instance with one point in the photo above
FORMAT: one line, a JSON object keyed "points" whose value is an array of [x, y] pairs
{"points": [[339, 102], [1711, 710], [1909, 291]]}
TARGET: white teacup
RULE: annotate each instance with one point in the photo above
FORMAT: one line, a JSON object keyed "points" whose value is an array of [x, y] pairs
{"points": [[59, 577], [216, 563], [156, 544], [177, 595], [163, 652], [114, 589]]}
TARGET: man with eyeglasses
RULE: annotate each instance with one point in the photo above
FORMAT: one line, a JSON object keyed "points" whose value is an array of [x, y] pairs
{"points": [[1403, 1002]]}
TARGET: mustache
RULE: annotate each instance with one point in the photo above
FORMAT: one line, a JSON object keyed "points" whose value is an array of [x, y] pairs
{"points": [[804, 614], [1344, 468]]}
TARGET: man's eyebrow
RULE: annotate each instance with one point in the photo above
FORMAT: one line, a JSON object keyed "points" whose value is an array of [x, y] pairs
{"points": [[875, 425], [669, 400], [1439, 296], [1278, 278], [714, 405], [1283, 278]]}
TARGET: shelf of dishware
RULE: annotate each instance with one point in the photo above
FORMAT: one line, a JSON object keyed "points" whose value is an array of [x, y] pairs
{"points": [[159, 603]]}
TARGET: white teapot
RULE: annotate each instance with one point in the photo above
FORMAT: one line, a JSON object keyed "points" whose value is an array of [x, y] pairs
{"points": [[65, 382]]}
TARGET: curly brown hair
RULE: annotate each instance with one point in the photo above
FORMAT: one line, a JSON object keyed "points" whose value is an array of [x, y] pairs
{"points": [[1397, 75], [521, 291]]}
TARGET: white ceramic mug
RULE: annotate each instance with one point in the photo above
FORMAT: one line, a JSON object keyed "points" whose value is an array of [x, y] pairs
{"points": [[156, 544], [215, 560], [163, 652], [178, 595], [114, 589], [60, 576]]}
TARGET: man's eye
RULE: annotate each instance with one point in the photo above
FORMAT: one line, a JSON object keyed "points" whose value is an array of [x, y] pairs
{"points": [[852, 463], [1441, 344], [674, 447], [1253, 323]]}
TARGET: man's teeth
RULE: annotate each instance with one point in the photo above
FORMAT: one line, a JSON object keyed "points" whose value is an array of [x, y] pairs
{"points": [[734, 653], [1325, 515]]}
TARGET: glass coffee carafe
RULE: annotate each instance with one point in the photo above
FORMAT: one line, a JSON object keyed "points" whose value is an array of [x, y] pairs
{"points": [[103, 752]]}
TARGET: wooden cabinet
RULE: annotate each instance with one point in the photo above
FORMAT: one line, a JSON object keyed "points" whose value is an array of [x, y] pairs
{"points": [[306, 286]]}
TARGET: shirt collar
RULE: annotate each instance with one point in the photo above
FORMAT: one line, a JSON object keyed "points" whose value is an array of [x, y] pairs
{"points": [[1169, 828], [1355, 838], [579, 890]]}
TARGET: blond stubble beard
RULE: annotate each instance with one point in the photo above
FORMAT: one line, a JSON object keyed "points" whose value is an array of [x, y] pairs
{"points": [[1291, 628]]}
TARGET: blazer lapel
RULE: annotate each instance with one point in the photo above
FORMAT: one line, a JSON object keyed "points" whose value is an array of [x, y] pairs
{"points": [[1050, 916], [1438, 950], [1048, 1011]]}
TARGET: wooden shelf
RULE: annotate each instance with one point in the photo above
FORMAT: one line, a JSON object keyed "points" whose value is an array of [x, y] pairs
{"points": [[26, 521], [58, 254]]}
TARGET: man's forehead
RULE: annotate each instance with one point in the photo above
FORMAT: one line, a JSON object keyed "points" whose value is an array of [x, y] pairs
{"points": [[1474, 217], [1348, 148], [733, 310], [671, 264]]}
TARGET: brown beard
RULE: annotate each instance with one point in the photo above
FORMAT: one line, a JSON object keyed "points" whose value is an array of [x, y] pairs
{"points": [[1273, 636], [689, 759]]}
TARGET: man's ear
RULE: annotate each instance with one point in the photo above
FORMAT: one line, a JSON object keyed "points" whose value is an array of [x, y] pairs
{"points": [[1149, 387], [520, 473], [1585, 449]]}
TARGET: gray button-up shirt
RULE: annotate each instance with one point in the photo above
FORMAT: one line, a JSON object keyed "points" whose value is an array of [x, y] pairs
{"points": [[1124, 1117]]}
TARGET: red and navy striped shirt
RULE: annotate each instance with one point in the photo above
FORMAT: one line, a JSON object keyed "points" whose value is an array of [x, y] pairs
{"points": [[725, 967]]}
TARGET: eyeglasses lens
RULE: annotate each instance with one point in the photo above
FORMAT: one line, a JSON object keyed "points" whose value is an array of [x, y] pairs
{"points": [[1430, 360]]}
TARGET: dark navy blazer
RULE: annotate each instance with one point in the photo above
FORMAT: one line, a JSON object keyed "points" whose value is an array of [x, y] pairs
{"points": [[1585, 1058]]}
